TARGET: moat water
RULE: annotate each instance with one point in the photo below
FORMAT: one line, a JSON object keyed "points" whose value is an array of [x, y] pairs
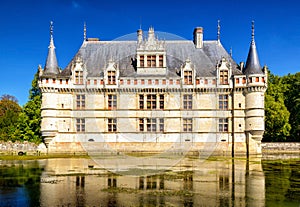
{"points": [[267, 181]]}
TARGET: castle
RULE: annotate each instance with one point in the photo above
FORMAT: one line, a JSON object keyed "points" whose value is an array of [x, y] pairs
{"points": [[150, 95]]}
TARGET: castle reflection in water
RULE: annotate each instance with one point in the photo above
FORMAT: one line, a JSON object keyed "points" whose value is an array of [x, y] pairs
{"points": [[192, 182]]}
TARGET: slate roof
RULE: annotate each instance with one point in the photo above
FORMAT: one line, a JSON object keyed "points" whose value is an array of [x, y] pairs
{"points": [[51, 67], [96, 54], [252, 63]]}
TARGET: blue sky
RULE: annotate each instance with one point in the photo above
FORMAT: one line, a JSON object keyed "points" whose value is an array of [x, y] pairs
{"points": [[24, 33]]}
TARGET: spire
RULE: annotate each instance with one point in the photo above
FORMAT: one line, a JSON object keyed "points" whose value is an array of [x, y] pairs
{"points": [[219, 29], [252, 63], [51, 66], [84, 31]]}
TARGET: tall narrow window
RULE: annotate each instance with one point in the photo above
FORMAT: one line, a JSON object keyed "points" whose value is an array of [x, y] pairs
{"points": [[161, 125], [112, 101], [161, 101], [141, 101], [223, 125], [141, 125], [142, 61], [161, 61], [111, 77], [80, 125], [151, 101], [187, 101], [187, 125], [244, 80], [223, 77], [78, 77], [80, 101], [112, 125], [223, 102], [188, 77]]}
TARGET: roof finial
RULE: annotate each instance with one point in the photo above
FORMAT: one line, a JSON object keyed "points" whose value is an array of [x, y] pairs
{"points": [[84, 31], [252, 38], [51, 29], [230, 52], [219, 28], [51, 66]]}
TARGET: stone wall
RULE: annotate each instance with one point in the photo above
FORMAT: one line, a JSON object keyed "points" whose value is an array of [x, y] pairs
{"points": [[280, 147], [267, 148], [13, 148]]}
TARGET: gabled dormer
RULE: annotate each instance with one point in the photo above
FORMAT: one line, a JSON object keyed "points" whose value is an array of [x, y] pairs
{"points": [[78, 72], [187, 73], [111, 73], [224, 71], [151, 54]]}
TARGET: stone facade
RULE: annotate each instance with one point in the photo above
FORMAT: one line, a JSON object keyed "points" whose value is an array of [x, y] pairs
{"points": [[151, 95]]}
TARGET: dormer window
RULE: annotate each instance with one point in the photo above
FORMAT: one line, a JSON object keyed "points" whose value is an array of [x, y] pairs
{"points": [[188, 77], [224, 77], [161, 61], [224, 71], [142, 61], [187, 73], [150, 55], [111, 77], [151, 61], [78, 77], [111, 73]]}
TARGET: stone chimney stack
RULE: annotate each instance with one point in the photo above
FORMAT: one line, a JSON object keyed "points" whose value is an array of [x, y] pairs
{"points": [[198, 37], [140, 35]]}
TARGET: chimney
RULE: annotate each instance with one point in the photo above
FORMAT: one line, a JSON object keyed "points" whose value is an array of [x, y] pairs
{"points": [[140, 35], [198, 37], [242, 66]]}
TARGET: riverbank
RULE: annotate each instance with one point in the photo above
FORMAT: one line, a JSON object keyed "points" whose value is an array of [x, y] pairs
{"points": [[280, 147], [27, 150]]}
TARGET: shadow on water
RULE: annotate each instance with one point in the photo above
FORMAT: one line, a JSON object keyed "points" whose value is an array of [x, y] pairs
{"points": [[282, 181], [20, 183], [215, 182]]}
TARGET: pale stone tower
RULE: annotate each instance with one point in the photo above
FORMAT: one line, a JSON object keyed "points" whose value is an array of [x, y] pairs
{"points": [[49, 126], [254, 99]]}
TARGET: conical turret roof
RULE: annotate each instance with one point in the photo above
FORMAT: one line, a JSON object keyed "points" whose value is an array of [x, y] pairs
{"points": [[252, 63], [51, 66]]}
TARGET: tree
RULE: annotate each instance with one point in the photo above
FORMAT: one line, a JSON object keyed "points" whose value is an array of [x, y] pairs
{"points": [[29, 122], [9, 113], [276, 113], [292, 102]]}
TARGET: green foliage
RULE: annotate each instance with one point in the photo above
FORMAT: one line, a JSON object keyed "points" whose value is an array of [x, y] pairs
{"points": [[292, 102], [282, 108], [29, 122], [9, 113], [277, 115]]}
